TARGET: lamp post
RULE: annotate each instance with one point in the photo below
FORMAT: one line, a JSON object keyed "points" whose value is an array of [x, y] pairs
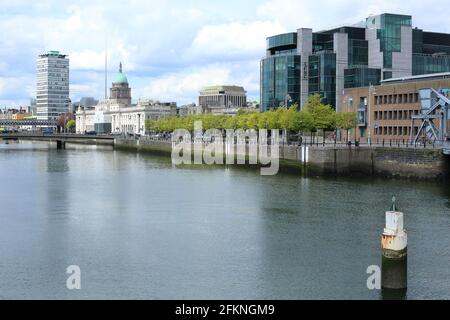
{"points": [[287, 99], [369, 107]]}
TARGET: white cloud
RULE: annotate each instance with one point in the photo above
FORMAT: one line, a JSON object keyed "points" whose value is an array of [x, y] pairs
{"points": [[234, 39], [170, 48], [87, 59], [185, 85], [76, 88], [323, 14]]}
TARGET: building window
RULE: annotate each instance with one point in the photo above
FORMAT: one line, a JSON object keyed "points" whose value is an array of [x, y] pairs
{"points": [[350, 103]]}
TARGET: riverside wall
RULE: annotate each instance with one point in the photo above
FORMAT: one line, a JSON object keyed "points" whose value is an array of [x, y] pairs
{"points": [[412, 163]]}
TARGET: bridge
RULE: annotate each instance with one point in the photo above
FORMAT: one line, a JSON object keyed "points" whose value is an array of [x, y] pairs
{"points": [[434, 117], [60, 138], [28, 122]]}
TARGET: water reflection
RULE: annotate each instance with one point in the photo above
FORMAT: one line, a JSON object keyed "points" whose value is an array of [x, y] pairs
{"points": [[141, 228]]}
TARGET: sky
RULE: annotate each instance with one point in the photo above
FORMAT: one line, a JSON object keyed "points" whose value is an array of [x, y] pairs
{"points": [[169, 49]]}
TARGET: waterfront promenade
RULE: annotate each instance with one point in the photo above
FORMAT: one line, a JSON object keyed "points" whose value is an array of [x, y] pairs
{"points": [[386, 158]]}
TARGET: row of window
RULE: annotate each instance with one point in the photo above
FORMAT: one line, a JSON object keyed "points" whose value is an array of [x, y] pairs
{"points": [[395, 131], [395, 115], [397, 98]]}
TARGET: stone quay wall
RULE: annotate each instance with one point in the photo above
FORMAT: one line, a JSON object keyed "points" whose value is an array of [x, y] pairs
{"points": [[413, 163]]}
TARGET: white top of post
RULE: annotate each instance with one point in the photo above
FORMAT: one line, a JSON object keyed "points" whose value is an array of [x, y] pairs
{"points": [[394, 223]]}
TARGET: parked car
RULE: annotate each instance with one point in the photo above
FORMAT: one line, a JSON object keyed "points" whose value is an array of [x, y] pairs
{"points": [[91, 133]]}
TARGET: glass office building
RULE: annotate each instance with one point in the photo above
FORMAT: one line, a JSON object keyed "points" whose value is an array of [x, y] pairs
{"points": [[382, 47], [280, 72]]}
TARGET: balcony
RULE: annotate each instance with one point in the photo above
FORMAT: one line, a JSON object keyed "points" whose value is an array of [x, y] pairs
{"points": [[362, 115]]}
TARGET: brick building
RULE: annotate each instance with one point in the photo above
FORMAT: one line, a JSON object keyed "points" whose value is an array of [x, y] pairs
{"points": [[385, 112]]}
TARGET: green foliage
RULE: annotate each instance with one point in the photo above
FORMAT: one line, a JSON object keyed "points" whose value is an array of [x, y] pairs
{"points": [[323, 116], [313, 117], [346, 120], [71, 124]]}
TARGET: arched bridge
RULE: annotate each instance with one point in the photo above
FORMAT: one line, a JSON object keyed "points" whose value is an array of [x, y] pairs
{"points": [[60, 138]]}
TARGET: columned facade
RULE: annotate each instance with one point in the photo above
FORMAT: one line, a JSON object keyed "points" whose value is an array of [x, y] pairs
{"points": [[118, 115]]}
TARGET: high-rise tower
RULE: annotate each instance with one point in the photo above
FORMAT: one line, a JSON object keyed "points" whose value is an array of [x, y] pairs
{"points": [[52, 90]]}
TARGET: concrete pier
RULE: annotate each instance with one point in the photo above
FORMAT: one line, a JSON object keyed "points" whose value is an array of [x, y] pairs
{"points": [[60, 144]]}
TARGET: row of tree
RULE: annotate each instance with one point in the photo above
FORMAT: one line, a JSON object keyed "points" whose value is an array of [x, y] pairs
{"points": [[313, 117]]}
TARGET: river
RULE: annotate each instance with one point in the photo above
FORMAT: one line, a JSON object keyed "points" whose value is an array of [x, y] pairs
{"points": [[138, 227]]}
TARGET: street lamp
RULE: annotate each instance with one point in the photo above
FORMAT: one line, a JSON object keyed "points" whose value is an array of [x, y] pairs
{"points": [[371, 92]]}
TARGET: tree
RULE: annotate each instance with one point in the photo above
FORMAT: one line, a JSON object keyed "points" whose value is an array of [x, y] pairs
{"points": [[71, 124], [231, 123], [304, 121], [252, 121], [346, 121], [323, 116], [287, 118], [63, 119]]}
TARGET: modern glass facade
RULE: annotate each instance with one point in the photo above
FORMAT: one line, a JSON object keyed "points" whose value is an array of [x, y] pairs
{"points": [[280, 72], [322, 76], [358, 52], [327, 62], [426, 64], [361, 77], [280, 80], [389, 33], [282, 40]]}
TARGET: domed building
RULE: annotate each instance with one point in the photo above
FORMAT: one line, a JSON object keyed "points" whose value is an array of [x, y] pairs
{"points": [[118, 115], [120, 91]]}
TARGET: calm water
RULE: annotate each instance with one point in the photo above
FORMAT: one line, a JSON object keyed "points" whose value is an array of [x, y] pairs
{"points": [[140, 228]]}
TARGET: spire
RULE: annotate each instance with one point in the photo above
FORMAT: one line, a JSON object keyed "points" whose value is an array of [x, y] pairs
{"points": [[120, 67]]}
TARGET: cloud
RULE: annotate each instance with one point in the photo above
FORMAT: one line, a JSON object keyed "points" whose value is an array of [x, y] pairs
{"points": [[233, 40], [87, 59], [324, 14], [169, 48], [185, 85]]}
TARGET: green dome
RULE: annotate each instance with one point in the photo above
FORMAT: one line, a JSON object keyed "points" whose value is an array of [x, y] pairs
{"points": [[120, 78]]}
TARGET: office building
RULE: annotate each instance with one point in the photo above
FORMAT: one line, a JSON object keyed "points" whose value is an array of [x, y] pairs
{"points": [[391, 111], [52, 90], [221, 100], [383, 47]]}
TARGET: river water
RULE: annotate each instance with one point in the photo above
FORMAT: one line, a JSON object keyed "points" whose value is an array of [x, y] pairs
{"points": [[138, 227]]}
